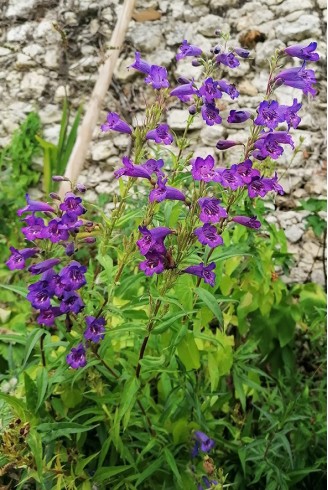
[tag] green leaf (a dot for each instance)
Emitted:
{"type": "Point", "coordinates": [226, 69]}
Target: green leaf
{"type": "Point", "coordinates": [150, 470]}
{"type": "Point", "coordinates": [211, 302]}
{"type": "Point", "coordinates": [22, 291]}
{"type": "Point", "coordinates": [107, 472]}
{"type": "Point", "coordinates": [35, 444]}
{"type": "Point", "coordinates": [42, 385]}
{"type": "Point", "coordinates": [188, 352]}
{"type": "Point", "coordinates": [31, 341]}
{"type": "Point", "coordinates": [162, 326]}
{"type": "Point", "coordinates": [172, 464]}
{"type": "Point", "coordinates": [128, 399]}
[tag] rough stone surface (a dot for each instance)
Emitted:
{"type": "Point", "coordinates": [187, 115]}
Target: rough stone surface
{"type": "Point", "coordinates": [40, 64]}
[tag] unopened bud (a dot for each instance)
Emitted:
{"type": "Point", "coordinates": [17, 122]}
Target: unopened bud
{"type": "Point", "coordinates": [195, 63]}
{"type": "Point", "coordinates": [89, 239]}
{"type": "Point", "coordinates": [183, 80]}
{"type": "Point", "coordinates": [53, 195]}
{"type": "Point", "coordinates": [69, 249]}
{"type": "Point", "coordinates": [80, 188]}
{"type": "Point", "coordinates": [192, 110]}
{"type": "Point", "coordinates": [59, 178]}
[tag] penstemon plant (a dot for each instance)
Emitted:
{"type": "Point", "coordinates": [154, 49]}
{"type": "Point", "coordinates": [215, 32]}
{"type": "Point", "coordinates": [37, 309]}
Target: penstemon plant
{"type": "Point", "coordinates": [129, 311]}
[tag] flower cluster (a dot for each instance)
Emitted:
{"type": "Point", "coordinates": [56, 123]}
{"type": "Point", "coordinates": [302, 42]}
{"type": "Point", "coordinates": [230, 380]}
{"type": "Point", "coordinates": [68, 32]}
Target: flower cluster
{"type": "Point", "coordinates": [267, 141]}
{"type": "Point", "coordinates": [203, 444]}
{"type": "Point", "coordinates": [55, 293]}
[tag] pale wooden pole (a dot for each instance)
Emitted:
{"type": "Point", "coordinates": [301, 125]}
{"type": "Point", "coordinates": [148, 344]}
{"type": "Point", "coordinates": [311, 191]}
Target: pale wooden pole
{"type": "Point", "coordinates": [91, 116]}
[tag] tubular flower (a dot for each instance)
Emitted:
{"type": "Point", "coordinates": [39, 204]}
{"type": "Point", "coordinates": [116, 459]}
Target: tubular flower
{"type": "Point", "coordinates": [250, 222]}
{"type": "Point", "coordinates": [270, 114]}
{"type": "Point", "coordinates": [228, 88]}
{"type": "Point", "coordinates": [305, 53]}
{"type": "Point", "coordinates": [187, 49]}
{"type": "Point", "coordinates": [210, 91]}
{"type": "Point", "coordinates": [115, 123]}
{"type": "Point", "coordinates": [139, 64]}
{"type": "Point", "coordinates": [163, 192]}
{"type": "Point", "coordinates": [211, 114]}
{"type": "Point", "coordinates": [152, 240]}
{"type": "Point", "coordinates": [34, 206]}
{"type": "Point", "coordinates": [77, 357]}
{"type": "Point", "coordinates": [207, 235]}
{"type": "Point", "coordinates": [211, 211]}
{"type": "Point", "coordinates": [203, 168]}
{"type": "Point", "coordinates": [203, 271]}
{"type": "Point", "coordinates": [95, 330]}
{"type": "Point", "coordinates": [17, 259]}
{"type": "Point", "coordinates": [268, 145]}
{"type": "Point", "coordinates": [238, 116]}
{"type": "Point", "coordinates": [131, 170]}
{"type": "Point", "coordinates": [297, 77]}
{"type": "Point", "coordinates": [154, 264]}
{"type": "Point", "coordinates": [157, 77]}
{"type": "Point", "coordinates": [228, 59]}
{"type": "Point", "coordinates": [160, 135]}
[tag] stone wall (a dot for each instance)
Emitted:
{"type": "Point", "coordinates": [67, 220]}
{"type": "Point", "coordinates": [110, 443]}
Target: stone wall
{"type": "Point", "coordinates": [49, 47]}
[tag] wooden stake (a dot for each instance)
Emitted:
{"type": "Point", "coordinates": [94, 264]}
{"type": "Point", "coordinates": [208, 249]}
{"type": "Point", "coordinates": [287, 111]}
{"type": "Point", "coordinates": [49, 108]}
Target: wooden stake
{"type": "Point", "coordinates": [78, 155]}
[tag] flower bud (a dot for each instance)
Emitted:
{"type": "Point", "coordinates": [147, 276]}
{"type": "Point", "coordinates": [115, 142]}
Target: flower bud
{"type": "Point", "coordinates": [183, 80]}
{"type": "Point", "coordinates": [54, 195]}
{"type": "Point", "coordinates": [192, 110]}
{"type": "Point", "coordinates": [89, 239]}
{"type": "Point", "coordinates": [59, 178]}
{"type": "Point", "coordinates": [80, 188]}
{"type": "Point", "coordinates": [195, 63]}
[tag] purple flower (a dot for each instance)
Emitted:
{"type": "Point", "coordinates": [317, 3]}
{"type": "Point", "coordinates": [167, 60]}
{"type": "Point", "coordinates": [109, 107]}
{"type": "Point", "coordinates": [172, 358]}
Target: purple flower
{"type": "Point", "coordinates": [228, 59]}
{"type": "Point", "coordinates": [183, 91]}
{"type": "Point", "coordinates": [115, 123]}
{"type": "Point", "coordinates": [43, 266]}
{"type": "Point", "coordinates": [250, 222]}
{"type": "Point", "coordinates": [34, 229]}
{"type": "Point", "coordinates": [270, 114]}
{"type": "Point", "coordinates": [131, 170]}
{"type": "Point", "coordinates": [187, 49]}
{"type": "Point", "coordinates": [290, 116]}
{"type": "Point", "coordinates": [152, 240]}
{"type": "Point", "coordinates": [228, 88]}
{"type": "Point", "coordinates": [72, 276]}
{"type": "Point", "coordinates": [297, 77]}
{"type": "Point", "coordinates": [245, 171]}
{"type": "Point", "coordinates": [47, 317]}
{"type": "Point", "coordinates": [257, 188]}
{"type": "Point", "coordinates": [72, 205]}
{"type": "Point", "coordinates": [165, 192]}
{"type": "Point", "coordinates": [303, 52]}
{"type": "Point", "coordinates": [203, 271]}
{"type": "Point", "coordinates": [209, 91]}
{"type": "Point", "coordinates": [17, 259]}
{"type": "Point", "coordinates": [34, 206]}
{"type": "Point", "coordinates": [160, 135]}
{"type": "Point", "coordinates": [80, 188]}
{"type": "Point", "coordinates": [39, 298]}
{"type": "Point", "coordinates": [229, 177]}
{"type": "Point", "coordinates": [211, 211]}
{"type": "Point", "coordinates": [243, 53]}
{"type": "Point", "coordinates": [153, 166]}
{"type": "Point", "coordinates": [238, 116]}
{"type": "Point", "coordinates": [69, 222]}
{"type": "Point", "coordinates": [211, 114]}
{"type": "Point", "coordinates": [225, 144]}
{"type": "Point", "coordinates": [55, 232]}
{"type": "Point", "coordinates": [95, 328]}
{"type": "Point", "coordinates": [154, 264]}
{"type": "Point", "coordinates": [206, 443]}
{"type": "Point", "coordinates": [157, 77]}
{"type": "Point", "coordinates": [77, 357]}
{"type": "Point", "coordinates": [273, 185]}
{"type": "Point", "coordinates": [268, 145]}
{"type": "Point", "coordinates": [140, 65]}
{"type": "Point", "coordinates": [71, 302]}
{"type": "Point", "coordinates": [203, 168]}
{"type": "Point", "coordinates": [207, 235]}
